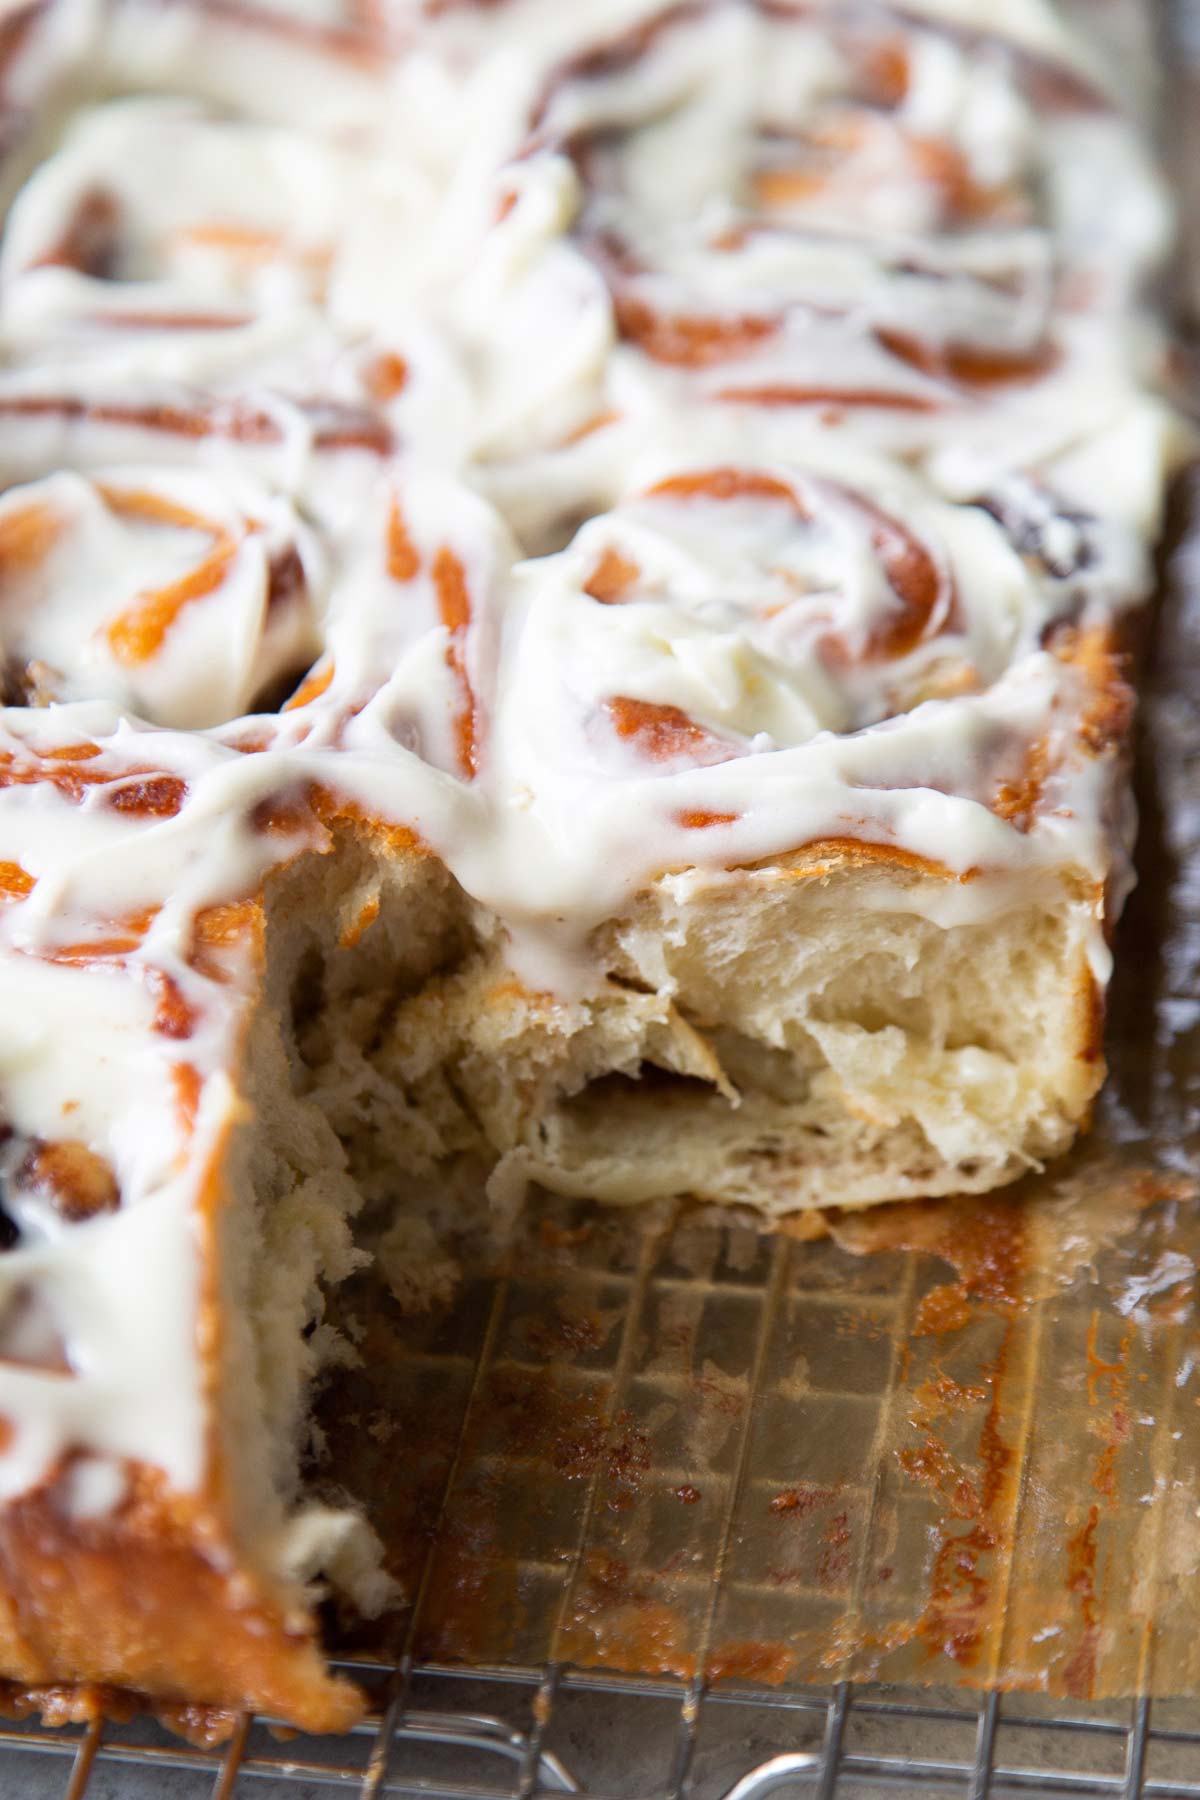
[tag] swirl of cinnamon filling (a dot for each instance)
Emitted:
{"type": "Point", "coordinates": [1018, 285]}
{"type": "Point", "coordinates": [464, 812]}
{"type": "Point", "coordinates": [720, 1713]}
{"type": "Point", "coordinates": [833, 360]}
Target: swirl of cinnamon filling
{"type": "Point", "coordinates": [742, 160]}
{"type": "Point", "coordinates": [735, 610]}
{"type": "Point", "coordinates": [849, 218]}
{"type": "Point", "coordinates": [171, 278]}
{"type": "Point", "coordinates": [165, 594]}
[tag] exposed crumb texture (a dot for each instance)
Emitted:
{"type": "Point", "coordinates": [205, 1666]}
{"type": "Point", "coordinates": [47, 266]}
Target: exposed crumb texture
{"type": "Point", "coordinates": [325, 1135]}
{"type": "Point", "coordinates": [775, 1037]}
{"type": "Point", "coordinates": [782, 1037]}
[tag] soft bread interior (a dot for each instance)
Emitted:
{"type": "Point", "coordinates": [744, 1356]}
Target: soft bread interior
{"type": "Point", "coordinates": [785, 1037]}
{"type": "Point", "coordinates": [348, 936]}
{"type": "Point", "coordinates": [798, 1035]}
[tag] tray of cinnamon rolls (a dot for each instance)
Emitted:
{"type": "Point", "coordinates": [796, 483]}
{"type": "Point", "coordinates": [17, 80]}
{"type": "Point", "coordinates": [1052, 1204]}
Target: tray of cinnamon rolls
{"type": "Point", "coordinates": [568, 581]}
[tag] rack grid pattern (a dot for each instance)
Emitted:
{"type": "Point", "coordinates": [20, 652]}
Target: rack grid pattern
{"type": "Point", "coordinates": [840, 1740]}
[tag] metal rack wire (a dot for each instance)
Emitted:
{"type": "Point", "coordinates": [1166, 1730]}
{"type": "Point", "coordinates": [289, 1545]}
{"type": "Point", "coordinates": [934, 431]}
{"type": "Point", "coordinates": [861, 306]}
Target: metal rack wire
{"type": "Point", "coordinates": [840, 1741]}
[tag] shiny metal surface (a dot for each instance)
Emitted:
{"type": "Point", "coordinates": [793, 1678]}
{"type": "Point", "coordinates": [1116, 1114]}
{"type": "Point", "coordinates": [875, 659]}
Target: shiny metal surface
{"type": "Point", "coordinates": [854, 1741]}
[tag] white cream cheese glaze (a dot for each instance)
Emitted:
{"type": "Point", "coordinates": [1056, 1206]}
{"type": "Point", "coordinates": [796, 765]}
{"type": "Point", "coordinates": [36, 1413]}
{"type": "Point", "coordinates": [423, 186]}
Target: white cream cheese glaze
{"type": "Point", "coordinates": [666, 440]}
{"type": "Point", "coordinates": [179, 598]}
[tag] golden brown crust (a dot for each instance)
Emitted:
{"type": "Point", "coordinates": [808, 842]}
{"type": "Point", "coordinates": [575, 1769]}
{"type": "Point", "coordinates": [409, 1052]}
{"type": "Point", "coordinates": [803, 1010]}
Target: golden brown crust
{"type": "Point", "coordinates": [829, 856]}
{"type": "Point", "coordinates": [156, 1597]}
{"type": "Point", "coordinates": [1090, 1023]}
{"type": "Point", "coordinates": [136, 1599]}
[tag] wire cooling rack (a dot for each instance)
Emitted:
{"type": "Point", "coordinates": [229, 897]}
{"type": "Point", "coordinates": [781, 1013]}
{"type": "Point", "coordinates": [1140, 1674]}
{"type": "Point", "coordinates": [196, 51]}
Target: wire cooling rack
{"type": "Point", "coordinates": [549, 1733]}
